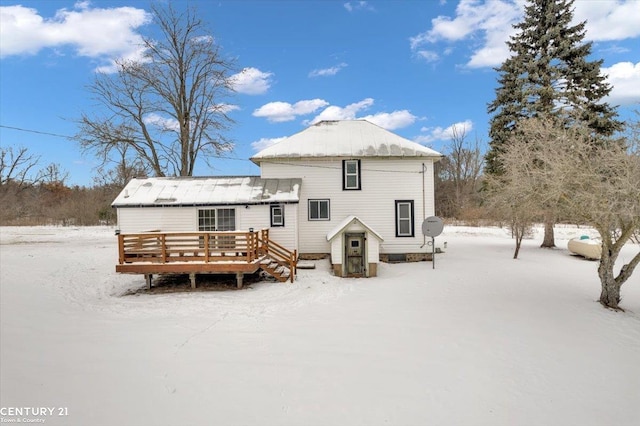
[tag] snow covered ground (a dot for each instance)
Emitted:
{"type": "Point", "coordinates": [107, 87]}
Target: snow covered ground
{"type": "Point", "coordinates": [481, 340]}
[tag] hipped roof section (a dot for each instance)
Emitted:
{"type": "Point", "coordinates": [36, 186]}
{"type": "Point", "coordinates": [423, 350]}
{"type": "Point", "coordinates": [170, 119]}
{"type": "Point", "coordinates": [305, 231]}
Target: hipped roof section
{"type": "Point", "coordinates": [344, 138]}
{"type": "Point", "coordinates": [204, 191]}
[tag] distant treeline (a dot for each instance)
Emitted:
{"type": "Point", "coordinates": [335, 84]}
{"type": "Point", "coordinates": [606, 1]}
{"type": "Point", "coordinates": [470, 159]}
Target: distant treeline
{"type": "Point", "coordinates": [54, 203]}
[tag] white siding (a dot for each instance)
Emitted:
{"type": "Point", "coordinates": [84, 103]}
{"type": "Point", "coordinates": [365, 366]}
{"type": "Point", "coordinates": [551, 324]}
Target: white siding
{"type": "Point", "coordinates": [373, 249]}
{"type": "Point", "coordinates": [166, 219]}
{"type": "Point", "coordinates": [337, 250]}
{"type": "Point", "coordinates": [185, 219]}
{"type": "Point", "coordinates": [384, 180]}
{"type": "Point", "coordinates": [259, 217]}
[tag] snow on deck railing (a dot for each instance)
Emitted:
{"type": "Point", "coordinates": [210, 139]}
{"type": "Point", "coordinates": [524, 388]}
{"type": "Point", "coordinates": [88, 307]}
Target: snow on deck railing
{"type": "Point", "coordinates": [168, 247]}
{"type": "Point", "coordinates": [203, 247]}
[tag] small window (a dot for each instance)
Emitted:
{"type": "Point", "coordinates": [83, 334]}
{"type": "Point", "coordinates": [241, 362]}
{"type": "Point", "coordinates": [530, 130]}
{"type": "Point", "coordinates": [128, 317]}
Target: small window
{"type": "Point", "coordinates": [318, 209]}
{"type": "Point", "coordinates": [277, 215]}
{"type": "Point", "coordinates": [351, 174]}
{"type": "Point", "coordinates": [404, 218]}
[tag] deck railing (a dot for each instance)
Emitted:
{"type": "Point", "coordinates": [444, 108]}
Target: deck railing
{"type": "Point", "coordinates": [166, 247]}
{"type": "Point", "coordinates": [203, 247]}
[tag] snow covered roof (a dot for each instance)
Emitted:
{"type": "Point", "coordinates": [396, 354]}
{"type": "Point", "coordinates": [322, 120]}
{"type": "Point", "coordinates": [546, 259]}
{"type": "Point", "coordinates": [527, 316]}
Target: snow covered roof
{"type": "Point", "coordinates": [195, 191]}
{"type": "Point", "coordinates": [348, 221]}
{"type": "Point", "coordinates": [344, 138]}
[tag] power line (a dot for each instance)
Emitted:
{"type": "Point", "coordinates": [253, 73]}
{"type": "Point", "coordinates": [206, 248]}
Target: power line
{"type": "Point", "coordinates": [36, 131]}
{"type": "Point", "coordinates": [226, 158]}
{"type": "Point", "coordinates": [71, 138]}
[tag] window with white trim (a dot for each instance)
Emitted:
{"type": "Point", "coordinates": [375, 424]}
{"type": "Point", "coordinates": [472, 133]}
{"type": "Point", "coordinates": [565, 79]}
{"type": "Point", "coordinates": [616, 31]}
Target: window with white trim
{"type": "Point", "coordinates": [351, 174]}
{"type": "Point", "coordinates": [319, 210]}
{"type": "Point", "coordinates": [404, 218]}
{"type": "Point", "coordinates": [210, 220]}
{"type": "Point", "coordinates": [277, 215]}
{"type": "Point", "coordinates": [207, 220]}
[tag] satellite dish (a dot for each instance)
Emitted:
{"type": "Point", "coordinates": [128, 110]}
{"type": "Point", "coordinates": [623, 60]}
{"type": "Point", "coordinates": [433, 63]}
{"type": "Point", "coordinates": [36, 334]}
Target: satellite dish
{"type": "Point", "coordinates": [432, 226]}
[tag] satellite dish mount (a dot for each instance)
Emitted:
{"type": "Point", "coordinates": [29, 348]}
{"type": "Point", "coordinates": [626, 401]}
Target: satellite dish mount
{"type": "Point", "coordinates": [432, 227]}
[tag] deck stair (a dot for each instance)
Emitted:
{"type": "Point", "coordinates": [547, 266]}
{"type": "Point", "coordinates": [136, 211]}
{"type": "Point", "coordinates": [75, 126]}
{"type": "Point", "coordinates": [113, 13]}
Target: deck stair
{"type": "Point", "coordinates": [275, 268]}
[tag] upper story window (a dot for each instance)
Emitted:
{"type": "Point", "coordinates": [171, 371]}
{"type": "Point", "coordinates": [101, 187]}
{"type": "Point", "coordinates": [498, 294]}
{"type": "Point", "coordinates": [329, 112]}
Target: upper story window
{"type": "Point", "coordinates": [277, 215]}
{"type": "Point", "coordinates": [351, 174]}
{"type": "Point", "coordinates": [319, 210]}
{"type": "Point", "coordinates": [404, 218]}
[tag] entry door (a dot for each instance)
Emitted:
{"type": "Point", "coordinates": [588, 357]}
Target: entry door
{"type": "Point", "coordinates": [355, 255]}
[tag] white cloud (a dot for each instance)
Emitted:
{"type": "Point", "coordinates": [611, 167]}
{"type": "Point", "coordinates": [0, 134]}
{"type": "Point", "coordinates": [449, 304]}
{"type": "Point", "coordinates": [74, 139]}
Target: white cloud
{"type": "Point", "coordinates": [277, 112]}
{"type": "Point", "coordinates": [263, 143]}
{"type": "Point", "coordinates": [225, 108]}
{"type": "Point", "coordinates": [387, 120]}
{"type": "Point", "coordinates": [428, 55]}
{"type": "Point", "coordinates": [358, 5]}
{"type": "Point", "coordinates": [471, 16]}
{"type": "Point", "coordinates": [252, 81]}
{"type": "Point", "coordinates": [327, 71]}
{"type": "Point", "coordinates": [392, 120]}
{"type": "Point", "coordinates": [609, 20]}
{"type": "Point", "coordinates": [284, 111]}
{"type": "Point", "coordinates": [99, 33]}
{"type": "Point", "coordinates": [338, 113]}
{"type": "Point", "coordinates": [491, 22]}
{"type": "Point", "coordinates": [204, 39]}
{"type": "Point", "coordinates": [111, 65]}
{"type": "Point", "coordinates": [165, 124]}
{"type": "Point", "coordinates": [625, 79]}
{"type": "Point", "coordinates": [444, 134]}
{"type": "Point", "coordinates": [493, 19]}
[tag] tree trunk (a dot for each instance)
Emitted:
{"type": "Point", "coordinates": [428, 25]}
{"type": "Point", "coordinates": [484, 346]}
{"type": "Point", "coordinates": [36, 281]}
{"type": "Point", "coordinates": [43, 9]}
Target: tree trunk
{"type": "Point", "coordinates": [610, 295]}
{"type": "Point", "coordinates": [549, 240]}
{"type": "Point", "coordinates": [518, 230]}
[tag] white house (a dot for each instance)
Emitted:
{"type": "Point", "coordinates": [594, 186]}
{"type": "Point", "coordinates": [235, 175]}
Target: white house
{"type": "Point", "coordinates": [355, 169]}
{"type": "Point", "coordinates": [349, 189]}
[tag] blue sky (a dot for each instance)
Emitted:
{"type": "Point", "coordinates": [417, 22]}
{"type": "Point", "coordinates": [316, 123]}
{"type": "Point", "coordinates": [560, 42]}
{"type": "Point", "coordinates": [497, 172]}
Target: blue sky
{"type": "Point", "coordinates": [417, 68]}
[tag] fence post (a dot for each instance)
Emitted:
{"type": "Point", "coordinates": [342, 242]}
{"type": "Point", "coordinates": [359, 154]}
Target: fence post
{"type": "Point", "coordinates": [292, 265]}
{"type": "Point", "coordinates": [163, 241]}
{"type": "Point", "coordinates": [206, 247]}
{"type": "Point", "coordinates": [254, 246]}
{"type": "Point", "coordinates": [121, 248]}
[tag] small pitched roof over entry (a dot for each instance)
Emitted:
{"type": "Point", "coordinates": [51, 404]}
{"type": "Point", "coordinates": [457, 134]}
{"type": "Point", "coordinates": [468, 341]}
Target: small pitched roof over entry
{"type": "Point", "coordinates": [345, 138]}
{"type": "Point", "coordinates": [351, 220]}
{"type": "Point", "coordinates": [207, 191]}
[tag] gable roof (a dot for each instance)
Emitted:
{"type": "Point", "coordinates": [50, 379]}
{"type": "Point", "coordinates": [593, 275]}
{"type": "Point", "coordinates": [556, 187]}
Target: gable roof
{"type": "Point", "coordinates": [207, 191]}
{"type": "Point", "coordinates": [344, 138]}
{"type": "Point", "coordinates": [349, 220]}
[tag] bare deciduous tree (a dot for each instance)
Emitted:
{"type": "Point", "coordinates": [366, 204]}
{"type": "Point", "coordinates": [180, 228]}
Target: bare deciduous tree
{"type": "Point", "coordinates": [594, 184]}
{"type": "Point", "coordinates": [458, 174]}
{"type": "Point", "coordinates": [53, 174]}
{"type": "Point", "coordinates": [17, 167]}
{"type": "Point", "coordinates": [124, 169]}
{"type": "Point", "coordinates": [167, 107]}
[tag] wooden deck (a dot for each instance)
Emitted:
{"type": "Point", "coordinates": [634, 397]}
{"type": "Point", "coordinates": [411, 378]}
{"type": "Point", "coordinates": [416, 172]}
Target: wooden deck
{"type": "Point", "coordinates": [204, 252]}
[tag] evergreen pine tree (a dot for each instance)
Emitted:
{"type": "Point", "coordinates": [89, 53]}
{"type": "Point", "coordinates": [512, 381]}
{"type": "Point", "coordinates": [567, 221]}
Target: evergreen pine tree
{"type": "Point", "coordinates": [548, 74]}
